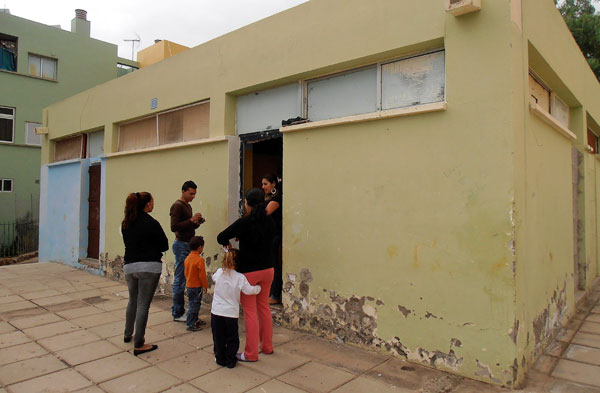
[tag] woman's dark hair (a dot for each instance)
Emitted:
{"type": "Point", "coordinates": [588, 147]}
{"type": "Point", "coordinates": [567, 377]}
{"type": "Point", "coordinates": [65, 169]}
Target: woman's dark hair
{"type": "Point", "coordinates": [271, 178]}
{"type": "Point", "coordinates": [256, 199]}
{"type": "Point", "coordinates": [134, 204]}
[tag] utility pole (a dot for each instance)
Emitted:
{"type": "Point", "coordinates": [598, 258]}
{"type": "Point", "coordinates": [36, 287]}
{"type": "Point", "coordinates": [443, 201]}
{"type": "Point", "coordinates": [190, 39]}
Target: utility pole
{"type": "Point", "coordinates": [133, 41]}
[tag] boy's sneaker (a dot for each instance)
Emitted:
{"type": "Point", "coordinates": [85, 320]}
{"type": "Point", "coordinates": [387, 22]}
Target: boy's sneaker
{"type": "Point", "coordinates": [182, 318]}
{"type": "Point", "coordinates": [195, 327]}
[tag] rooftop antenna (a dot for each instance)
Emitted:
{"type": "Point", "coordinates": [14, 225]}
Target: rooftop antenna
{"type": "Point", "coordinates": [133, 41]}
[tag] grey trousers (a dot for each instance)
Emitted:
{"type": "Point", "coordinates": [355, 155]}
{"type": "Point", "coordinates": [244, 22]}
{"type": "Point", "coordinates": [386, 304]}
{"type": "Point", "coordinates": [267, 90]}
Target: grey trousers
{"type": "Point", "coordinates": [141, 286]}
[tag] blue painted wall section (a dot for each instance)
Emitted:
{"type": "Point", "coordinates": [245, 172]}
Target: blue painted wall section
{"type": "Point", "coordinates": [64, 213]}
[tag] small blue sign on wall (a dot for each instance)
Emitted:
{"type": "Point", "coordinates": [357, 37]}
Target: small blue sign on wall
{"type": "Point", "coordinates": [154, 103]}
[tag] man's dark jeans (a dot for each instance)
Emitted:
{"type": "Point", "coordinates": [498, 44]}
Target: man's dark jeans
{"type": "Point", "coordinates": [141, 286]}
{"type": "Point", "coordinates": [181, 251]}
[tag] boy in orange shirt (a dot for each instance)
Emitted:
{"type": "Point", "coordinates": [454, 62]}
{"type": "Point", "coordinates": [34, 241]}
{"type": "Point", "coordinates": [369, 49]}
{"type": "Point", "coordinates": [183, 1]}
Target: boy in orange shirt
{"type": "Point", "coordinates": [195, 282]}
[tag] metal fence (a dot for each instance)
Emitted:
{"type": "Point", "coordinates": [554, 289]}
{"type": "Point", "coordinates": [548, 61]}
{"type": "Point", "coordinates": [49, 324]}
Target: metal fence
{"type": "Point", "coordinates": [20, 237]}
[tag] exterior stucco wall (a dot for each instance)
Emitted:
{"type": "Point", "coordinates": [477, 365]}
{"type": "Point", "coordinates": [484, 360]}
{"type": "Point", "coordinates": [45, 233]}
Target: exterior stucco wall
{"type": "Point", "coordinates": [162, 174]}
{"type": "Point", "coordinates": [544, 197]}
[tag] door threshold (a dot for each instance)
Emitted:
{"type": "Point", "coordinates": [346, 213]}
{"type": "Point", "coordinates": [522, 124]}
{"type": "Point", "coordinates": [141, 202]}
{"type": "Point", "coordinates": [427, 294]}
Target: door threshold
{"type": "Point", "coordinates": [90, 262]}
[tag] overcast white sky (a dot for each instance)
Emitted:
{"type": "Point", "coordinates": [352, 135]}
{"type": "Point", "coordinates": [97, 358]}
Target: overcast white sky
{"type": "Point", "coordinates": [186, 22]}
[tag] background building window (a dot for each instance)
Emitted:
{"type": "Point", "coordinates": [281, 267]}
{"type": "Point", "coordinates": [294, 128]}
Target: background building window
{"type": "Point", "coordinates": [6, 185]}
{"type": "Point", "coordinates": [7, 122]}
{"type": "Point", "coordinates": [43, 67]}
{"type": "Point", "coordinates": [31, 138]}
{"type": "Point", "coordinates": [8, 52]}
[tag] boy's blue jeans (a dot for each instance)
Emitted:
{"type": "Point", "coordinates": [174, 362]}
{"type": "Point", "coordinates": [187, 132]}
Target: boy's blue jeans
{"type": "Point", "coordinates": [181, 251]}
{"type": "Point", "coordinates": [194, 297]}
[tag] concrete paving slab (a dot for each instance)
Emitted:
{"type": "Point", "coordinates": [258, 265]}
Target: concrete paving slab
{"type": "Point", "coordinates": [91, 389]}
{"type": "Point", "coordinates": [559, 386]}
{"type": "Point", "coordinates": [50, 330]}
{"type": "Point", "coordinates": [88, 352]}
{"type": "Point", "coordinates": [590, 327]}
{"type": "Point", "coordinates": [20, 305]}
{"type": "Point", "coordinates": [593, 318]}
{"type": "Point", "coordinates": [105, 283]}
{"type": "Point", "coordinates": [167, 349]}
{"type": "Point", "coordinates": [30, 368]}
{"type": "Point", "coordinates": [183, 388]}
{"type": "Point", "coordinates": [190, 366]}
{"type": "Point", "coordinates": [111, 367]}
{"type": "Point", "coordinates": [588, 339]}
{"type": "Point", "coordinates": [21, 352]}
{"type": "Point", "coordinates": [95, 320]}
{"type": "Point", "coordinates": [109, 330]}
{"type": "Point", "coordinates": [171, 329]}
{"type": "Point", "coordinates": [348, 358]}
{"type": "Point", "coordinates": [79, 312]}
{"type": "Point", "coordinates": [275, 386]}
{"type": "Point", "coordinates": [316, 377]}
{"type": "Point", "coordinates": [114, 305]}
{"type": "Point", "coordinates": [22, 313]}
{"type": "Point", "coordinates": [149, 380]}
{"type": "Point", "coordinates": [63, 381]}
{"type": "Point", "coordinates": [399, 372]}
{"type": "Point", "coordinates": [65, 306]}
{"type": "Point", "coordinates": [545, 364]}
{"type": "Point", "coordinates": [41, 294]}
{"type": "Point", "coordinates": [577, 372]}
{"type": "Point", "coordinates": [37, 320]}
{"type": "Point", "coordinates": [565, 335]}
{"type": "Point", "coordinates": [81, 294]}
{"type": "Point", "coordinates": [583, 354]}
{"type": "Point", "coordinates": [369, 384]}
{"type": "Point", "coordinates": [53, 300]}
{"type": "Point", "coordinates": [68, 340]}
{"type": "Point", "coordinates": [10, 299]}
{"type": "Point", "coordinates": [282, 336]}
{"type": "Point", "coordinates": [13, 338]}
{"type": "Point", "coordinates": [6, 327]}
{"type": "Point", "coordinates": [277, 363]}
{"type": "Point", "coordinates": [200, 339]}
{"type": "Point", "coordinates": [234, 380]}
{"type": "Point", "coordinates": [160, 317]}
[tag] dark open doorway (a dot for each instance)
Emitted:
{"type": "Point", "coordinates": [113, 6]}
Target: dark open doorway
{"type": "Point", "coordinates": [93, 250]}
{"type": "Point", "coordinates": [261, 153]}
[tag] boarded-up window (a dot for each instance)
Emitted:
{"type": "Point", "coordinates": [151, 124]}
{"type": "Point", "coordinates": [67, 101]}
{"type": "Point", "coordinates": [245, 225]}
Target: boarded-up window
{"type": "Point", "coordinates": [342, 95]}
{"type": "Point", "coordinates": [95, 142]}
{"type": "Point", "coordinates": [592, 141]}
{"type": "Point", "coordinates": [138, 134]}
{"type": "Point", "coordinates": [31, 138]}
{"type": "Point", "coordinates": [414, 81]}
{"type": "Point", "coordinates": [560, 110]}
{"type": "Point", "coordinates": [539, 93]}
{"type": "Point", "coordinates": [264, 110]}
{"type": "Point", "coordinates": [182, 125]}
{"type": "Point", "coordinates": [68, 148]}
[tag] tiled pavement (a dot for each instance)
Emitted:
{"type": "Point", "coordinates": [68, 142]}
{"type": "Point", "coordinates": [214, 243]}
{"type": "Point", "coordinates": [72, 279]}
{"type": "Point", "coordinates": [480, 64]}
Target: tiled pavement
{"type": "Point", "coordinates": [61, 331]}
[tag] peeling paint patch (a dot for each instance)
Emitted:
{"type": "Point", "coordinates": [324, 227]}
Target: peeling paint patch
{"type": "Point", "coordinates": [514, 331]}
{"type": "Point", "coordinates": [484, 371]}
{"type": "Point", "coordinates": [405, 311]}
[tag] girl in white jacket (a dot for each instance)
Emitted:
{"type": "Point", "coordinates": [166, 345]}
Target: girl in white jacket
{"type": "Point", "coordinates": [225, 309]}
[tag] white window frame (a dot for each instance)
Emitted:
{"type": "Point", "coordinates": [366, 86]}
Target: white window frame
{"type": "Point", "coordinates": [9, 117]}
{"type": "Point", "coordinates": [12, 185]}
{"type": "Point", "coordinates": [379, 66]}
{"type": "Point", "coordinates": [36, 125]}
{"type": "Point", "coordinates": [41, 71]}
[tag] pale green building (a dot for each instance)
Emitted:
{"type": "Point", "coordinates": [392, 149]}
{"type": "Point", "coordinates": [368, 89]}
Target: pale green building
{"type": "Point", "coordinates": [40, 65]}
